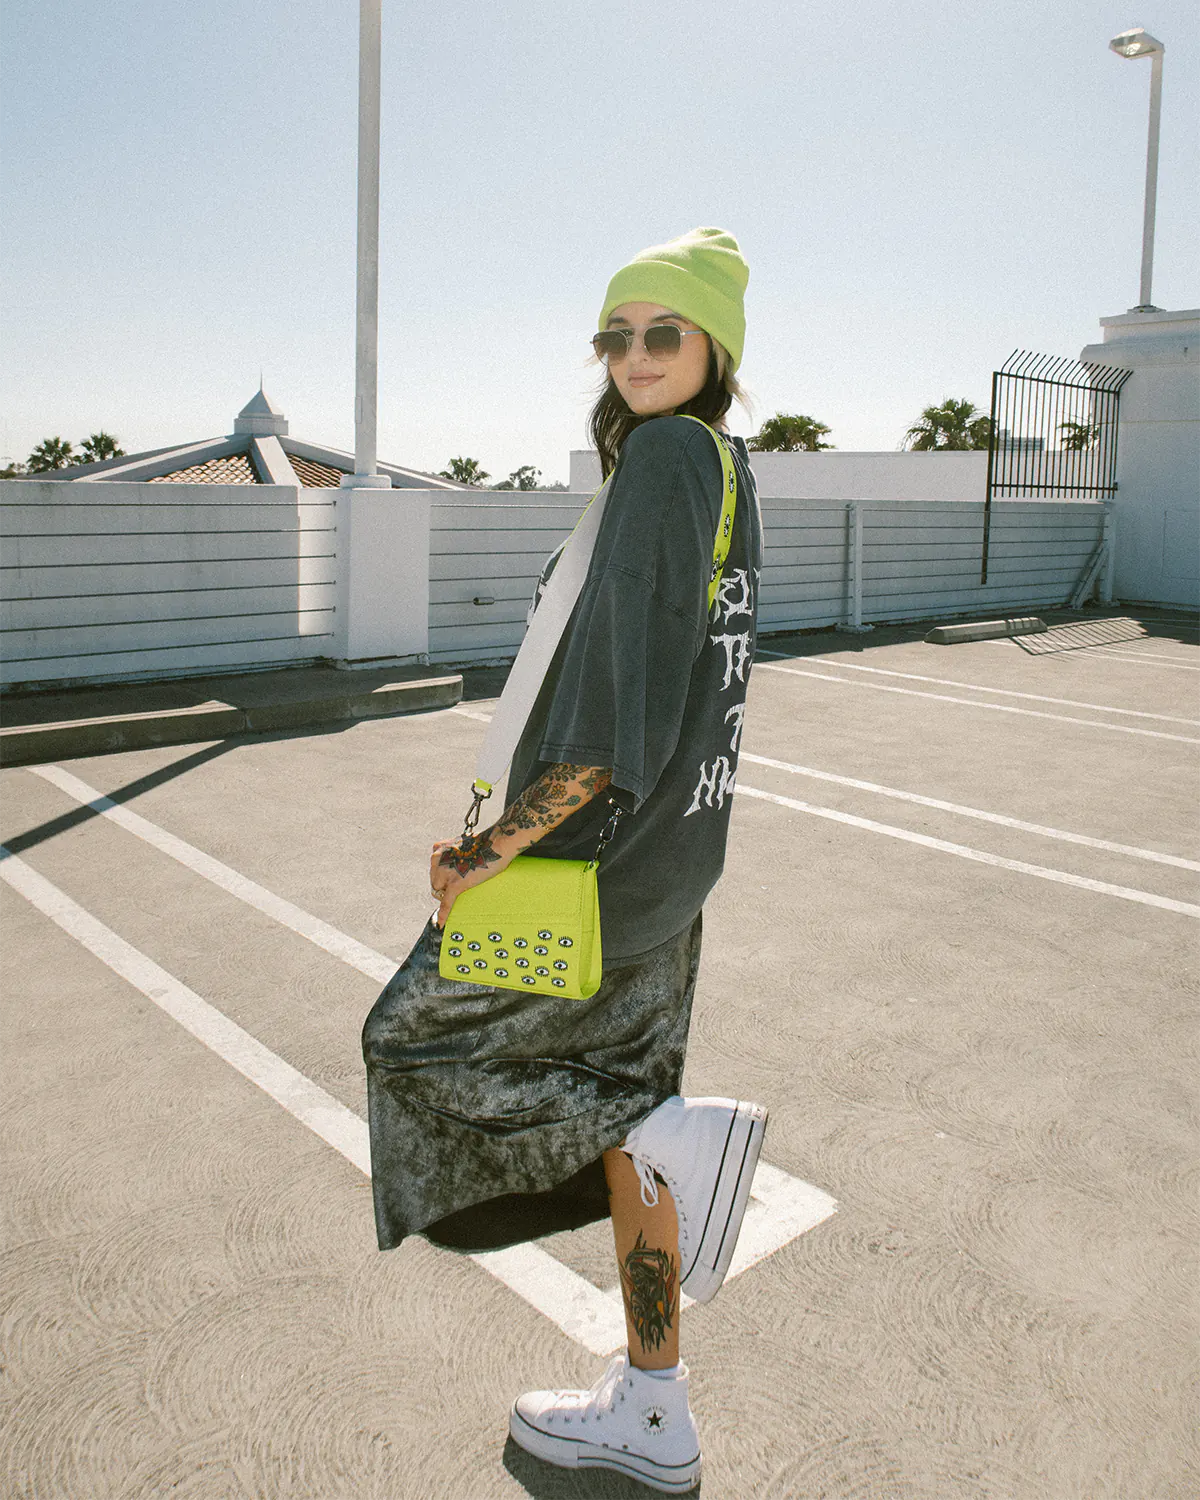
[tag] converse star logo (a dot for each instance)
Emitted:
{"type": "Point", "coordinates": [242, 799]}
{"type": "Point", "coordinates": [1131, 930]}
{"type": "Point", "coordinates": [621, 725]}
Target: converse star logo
{"type": "Point", "coordinates": [654, 1419]}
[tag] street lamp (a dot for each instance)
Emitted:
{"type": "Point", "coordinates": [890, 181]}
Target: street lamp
{"type": "Point", "coordinates": [366, 345]}
{"type": "Point", "coordinates": [1139, 43]}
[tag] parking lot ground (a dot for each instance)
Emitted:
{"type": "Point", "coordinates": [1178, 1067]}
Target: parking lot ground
{"type": "Point", "coordinates": [954, 950]}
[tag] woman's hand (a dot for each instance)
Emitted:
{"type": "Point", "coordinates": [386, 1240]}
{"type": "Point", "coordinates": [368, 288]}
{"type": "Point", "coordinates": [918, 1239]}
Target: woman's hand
{"type": "Point", "coordinates": [456, 865]}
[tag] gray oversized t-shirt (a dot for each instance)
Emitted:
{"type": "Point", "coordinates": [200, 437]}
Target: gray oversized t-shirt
{"type": "Point", "coordinates": [648, 682]}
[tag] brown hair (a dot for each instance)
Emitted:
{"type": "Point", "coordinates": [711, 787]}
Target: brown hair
{"type": "Point", "coordinates": [611, 421]}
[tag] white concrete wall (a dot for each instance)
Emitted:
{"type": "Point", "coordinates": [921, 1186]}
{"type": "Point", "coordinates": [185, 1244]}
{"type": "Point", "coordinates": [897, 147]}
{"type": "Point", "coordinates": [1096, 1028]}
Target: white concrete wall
{"type": "Point", "coordinates": [489, 546]}
{"type": "Point", "coordinates": [116, 580]}
{"type": "Point", "coordinates": [840, 476]}
{"type": "Point", "coordinates": [1158, 454]}
{"type": "Point", "coordinates": [383, 590]}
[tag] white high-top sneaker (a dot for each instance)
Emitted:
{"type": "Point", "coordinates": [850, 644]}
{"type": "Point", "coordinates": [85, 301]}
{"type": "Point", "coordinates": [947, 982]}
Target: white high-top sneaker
{"type": "Point", "coordinates": [628, 1421]}
{"type": "Point", "coordinates": [706, 1151]}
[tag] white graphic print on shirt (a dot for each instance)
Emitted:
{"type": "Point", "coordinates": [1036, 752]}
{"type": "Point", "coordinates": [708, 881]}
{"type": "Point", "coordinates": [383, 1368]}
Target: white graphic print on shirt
{"type": "Point", "coordinates": [716, 781]}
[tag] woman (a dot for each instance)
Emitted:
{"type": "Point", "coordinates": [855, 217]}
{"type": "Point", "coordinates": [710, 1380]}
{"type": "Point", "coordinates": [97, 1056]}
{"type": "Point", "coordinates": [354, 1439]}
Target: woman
{"type": "Point", "coordinates": [497, 1116]}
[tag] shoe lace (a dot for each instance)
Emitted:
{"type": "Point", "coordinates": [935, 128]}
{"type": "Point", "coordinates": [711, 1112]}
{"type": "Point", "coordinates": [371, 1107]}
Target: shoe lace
{"type": "Point", "coordinates": [605, 1388]}
{"type": "Point", "coordinates": [645, 1172]}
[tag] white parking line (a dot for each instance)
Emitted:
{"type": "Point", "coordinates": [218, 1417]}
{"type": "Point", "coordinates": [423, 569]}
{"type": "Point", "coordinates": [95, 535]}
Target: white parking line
{"type": "Point", "coordinates": [366, 960]}
{"type": "Point", "coordinates": [1153, 657]}
{"type": "Point", "coordinates": [996, 708]}
{"type": "Point", "coordinates": [1063, 877]}
{"type": "Point", "coordinates": [1103, 708]}
{"type": "Point", "coordinates": [1154, 855]}
{"type": "Point", "coordinates": [594, 1318]}
{"type": "Point", "coordinates": [340, 1127]}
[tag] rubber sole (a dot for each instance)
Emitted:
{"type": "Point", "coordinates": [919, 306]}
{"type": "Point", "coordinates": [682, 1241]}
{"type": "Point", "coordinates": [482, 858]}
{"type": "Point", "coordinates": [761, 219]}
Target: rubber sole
{"type": "Point", "coordinates": [572, 1453]}
{"type": "Point", "coordinates": [723, 1223]}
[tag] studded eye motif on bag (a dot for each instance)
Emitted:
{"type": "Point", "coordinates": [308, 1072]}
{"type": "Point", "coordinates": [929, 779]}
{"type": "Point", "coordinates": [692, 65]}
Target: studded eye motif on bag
{"type": "Point", "coordinates": [493, 965]}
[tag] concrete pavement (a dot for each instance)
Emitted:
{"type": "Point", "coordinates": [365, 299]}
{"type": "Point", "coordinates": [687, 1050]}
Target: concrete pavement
{"type": "Point", "coordinates": [954, 950]}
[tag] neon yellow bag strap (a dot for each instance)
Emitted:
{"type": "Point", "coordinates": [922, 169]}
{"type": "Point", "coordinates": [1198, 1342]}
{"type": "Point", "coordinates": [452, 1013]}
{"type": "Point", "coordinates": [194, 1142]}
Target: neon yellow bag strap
{"type": "Point", "coordinates": [728, 506]}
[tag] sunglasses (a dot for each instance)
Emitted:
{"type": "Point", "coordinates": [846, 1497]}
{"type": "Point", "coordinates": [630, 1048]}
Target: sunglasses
{"type": "Point", "coordinates": [661, 340]}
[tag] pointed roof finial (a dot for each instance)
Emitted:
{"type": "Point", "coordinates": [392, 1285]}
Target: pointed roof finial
{"type": "Point", "coordinates": [260, 417]}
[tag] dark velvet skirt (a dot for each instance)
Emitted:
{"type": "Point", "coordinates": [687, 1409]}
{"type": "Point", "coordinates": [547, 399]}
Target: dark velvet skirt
{"type": "Point", "coordinates": [489, 1109]}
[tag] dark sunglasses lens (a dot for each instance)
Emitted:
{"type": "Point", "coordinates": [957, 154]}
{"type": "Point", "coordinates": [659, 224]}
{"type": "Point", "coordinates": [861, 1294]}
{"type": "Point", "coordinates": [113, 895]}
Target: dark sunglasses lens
{"type": "Point", "coordinates": [611, 346]}
{"type": "Point", "coordinates": [662, 341]}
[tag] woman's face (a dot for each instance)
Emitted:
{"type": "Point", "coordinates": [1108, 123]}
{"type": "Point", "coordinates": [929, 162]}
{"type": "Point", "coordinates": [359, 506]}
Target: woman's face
{"type": "Point", "coordinates": [653, 387]}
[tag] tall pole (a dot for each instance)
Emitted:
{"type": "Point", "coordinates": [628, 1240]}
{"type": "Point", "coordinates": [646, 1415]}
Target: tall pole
{"type": "Point", "coordinates": [366, 373]}
{"type": "Point", "coordinates": [1156, 63]}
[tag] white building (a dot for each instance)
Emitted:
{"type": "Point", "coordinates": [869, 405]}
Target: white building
{"type": "Point", "coordinates": [257, 451]}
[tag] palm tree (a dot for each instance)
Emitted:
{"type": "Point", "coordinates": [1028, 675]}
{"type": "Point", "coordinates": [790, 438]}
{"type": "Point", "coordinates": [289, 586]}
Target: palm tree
{"type": "Point", "coordinates": [786, 434]}
{"type": "Point", "coordinates": [524, 478]}
{"type": "Point", "coordinates": [51, 453]}
{"type": "Point", "coordinates": [955, 425]}
{"type": "Point", "coordinates": [1078, 435]}
{"type": "Point", "coordinates": [464, 471]}
{"type": "Point", "coordinates": [101, 445]}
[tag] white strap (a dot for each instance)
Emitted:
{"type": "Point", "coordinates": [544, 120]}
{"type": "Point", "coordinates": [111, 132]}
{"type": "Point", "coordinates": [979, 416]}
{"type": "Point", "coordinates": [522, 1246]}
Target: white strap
{"type": "Point", "coordinates": [529, 670]}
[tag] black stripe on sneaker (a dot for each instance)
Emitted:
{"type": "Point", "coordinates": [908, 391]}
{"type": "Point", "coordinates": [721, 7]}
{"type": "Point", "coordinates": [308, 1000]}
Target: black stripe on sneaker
{"type": "Point", "coordinates": [716, 1186]}
{"type": "Point", "coordinates": [733, 1200]}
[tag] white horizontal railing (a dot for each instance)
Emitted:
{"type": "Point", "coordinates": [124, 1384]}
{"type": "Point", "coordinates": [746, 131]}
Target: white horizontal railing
{"type": "Point", "coordinates": [919, 559]}
{"type": "Point", "coordinates": [123, 580]}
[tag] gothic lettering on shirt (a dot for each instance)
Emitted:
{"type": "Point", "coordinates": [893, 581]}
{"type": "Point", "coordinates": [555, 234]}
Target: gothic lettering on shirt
{"type": "Point", "coordinates": [715, 784]}
{"type": "Point", "coordinates": [733, 596]}
{"type": "Point", "coordinates": [737, 655]}
{"type": "Point", "coordinates": [737, 713]}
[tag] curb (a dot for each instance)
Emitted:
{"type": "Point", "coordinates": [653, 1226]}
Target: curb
{"type": "Point", "coordinates": [984, 630]}
{"type": "Point", "coordinates": [71, 739]}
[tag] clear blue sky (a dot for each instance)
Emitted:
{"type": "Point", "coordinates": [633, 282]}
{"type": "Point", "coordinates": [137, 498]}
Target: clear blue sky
{"type": "Point", "coordinates": [918, 190]}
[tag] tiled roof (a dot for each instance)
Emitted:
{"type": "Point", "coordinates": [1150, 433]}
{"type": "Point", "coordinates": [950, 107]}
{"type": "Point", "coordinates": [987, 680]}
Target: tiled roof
{"type": "Point", "coordinates": [235, 469]}
{"type": "Point", "coordinates": [313, 475]}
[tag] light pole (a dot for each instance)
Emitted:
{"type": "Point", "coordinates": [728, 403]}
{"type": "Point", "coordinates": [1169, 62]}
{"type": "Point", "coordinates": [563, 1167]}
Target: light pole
{"type": "Point", "coordinates": [1139, 43]}
{"type": "Point", "coordinates": [366, 349]}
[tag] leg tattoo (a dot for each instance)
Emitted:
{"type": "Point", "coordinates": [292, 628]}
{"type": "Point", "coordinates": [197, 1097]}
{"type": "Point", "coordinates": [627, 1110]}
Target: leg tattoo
{"type": "Point", "coordinates": [650, 1281]}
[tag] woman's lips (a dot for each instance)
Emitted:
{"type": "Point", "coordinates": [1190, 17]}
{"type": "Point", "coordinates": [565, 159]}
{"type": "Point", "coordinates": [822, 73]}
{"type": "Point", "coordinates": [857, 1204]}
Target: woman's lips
{"type": "Point", "coordinates": [643, 379]}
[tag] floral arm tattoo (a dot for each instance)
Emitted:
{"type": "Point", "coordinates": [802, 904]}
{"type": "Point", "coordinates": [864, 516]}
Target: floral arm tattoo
{"type": "Point", "coordinates": [543, 805]}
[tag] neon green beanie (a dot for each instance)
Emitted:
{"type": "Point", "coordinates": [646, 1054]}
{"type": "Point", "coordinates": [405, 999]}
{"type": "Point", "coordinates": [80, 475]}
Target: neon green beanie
{"type": "Point", "coordinates": [701, 275]}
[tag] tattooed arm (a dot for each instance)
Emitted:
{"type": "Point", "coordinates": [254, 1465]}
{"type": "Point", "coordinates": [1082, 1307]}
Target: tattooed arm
{"type": "Point", "coordinates": [458, 864]}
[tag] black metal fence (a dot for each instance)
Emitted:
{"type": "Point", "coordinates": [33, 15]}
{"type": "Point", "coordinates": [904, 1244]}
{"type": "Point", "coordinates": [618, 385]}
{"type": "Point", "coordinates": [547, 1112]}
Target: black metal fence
{"type": "Point", "coordinates": [1053, 432]}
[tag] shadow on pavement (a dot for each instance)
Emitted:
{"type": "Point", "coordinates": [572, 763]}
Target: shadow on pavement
{"type": "Point", "coordinates": [545, 1482]}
